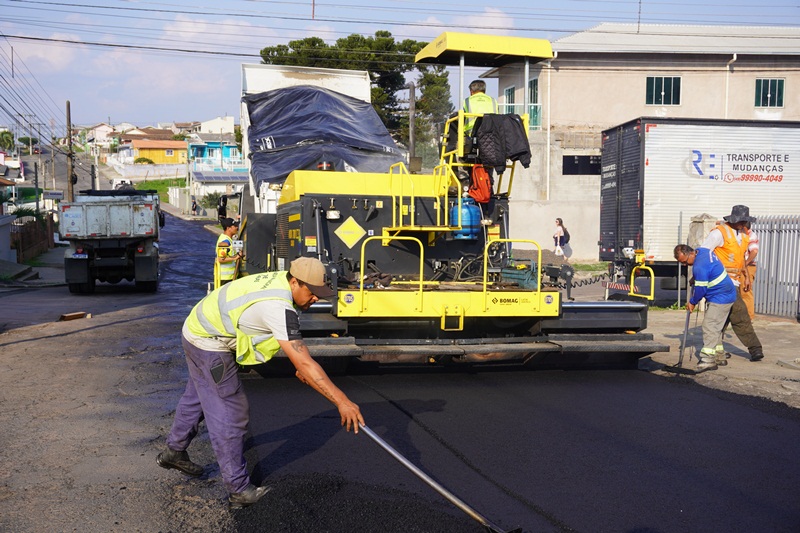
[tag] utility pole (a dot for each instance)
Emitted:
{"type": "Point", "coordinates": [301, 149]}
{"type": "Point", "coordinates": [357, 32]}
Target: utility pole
{"type": "Point", "coordinates": [30, 133]}
{"type": "Point", "coordinates": [412, 101]}
{"type": "Point", "coordinates": [39, 142]}
{"type": "Point", "coordinates": [36, 183]}
{"type": "Point", "coordinates": [70, 188]}
{"type": "Point", "coordinates": [52, 150]}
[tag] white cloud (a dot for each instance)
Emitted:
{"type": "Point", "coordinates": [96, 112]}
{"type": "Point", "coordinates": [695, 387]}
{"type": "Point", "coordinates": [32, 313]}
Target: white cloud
{"type": "Point", "coordinates": [493, 21]}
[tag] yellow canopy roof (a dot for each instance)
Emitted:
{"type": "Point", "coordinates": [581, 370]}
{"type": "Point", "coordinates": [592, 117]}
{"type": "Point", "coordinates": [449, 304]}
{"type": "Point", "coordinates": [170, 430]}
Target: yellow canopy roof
{"type": "Point", "coordinates": [482, 50]}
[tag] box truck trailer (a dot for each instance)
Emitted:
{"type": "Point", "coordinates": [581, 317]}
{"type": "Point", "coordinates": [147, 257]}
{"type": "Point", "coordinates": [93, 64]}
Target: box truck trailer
{"type": "Point", "coordinates": [660, 173]}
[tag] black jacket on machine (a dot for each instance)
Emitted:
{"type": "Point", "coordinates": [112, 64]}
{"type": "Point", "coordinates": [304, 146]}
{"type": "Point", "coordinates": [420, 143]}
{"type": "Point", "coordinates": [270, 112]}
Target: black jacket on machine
{"type": "Point", "coordinates": [502, 137]}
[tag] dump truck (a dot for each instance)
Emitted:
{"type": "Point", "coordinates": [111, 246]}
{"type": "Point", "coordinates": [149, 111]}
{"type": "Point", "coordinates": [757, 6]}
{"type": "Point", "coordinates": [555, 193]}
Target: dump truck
{"type": "Point", "coordinates": [658, 174]}
{"type": "Point", "coordinates": [112, 236]}
{"type": "Point", "coordinates": [423, 272]}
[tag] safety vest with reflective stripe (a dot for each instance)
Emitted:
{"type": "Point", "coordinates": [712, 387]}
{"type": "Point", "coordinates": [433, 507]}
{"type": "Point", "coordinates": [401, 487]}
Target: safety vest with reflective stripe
{"type": "Point", "coordinates": [218, 314]}
{"type": "Point", "coordinates": [478, 103]}
{"type": "Point", "coordinates": [225, 249]}
{"type": "Point", "coordinates": [731, 253]}
{"type": "Point", "coordinates": [710, 279]}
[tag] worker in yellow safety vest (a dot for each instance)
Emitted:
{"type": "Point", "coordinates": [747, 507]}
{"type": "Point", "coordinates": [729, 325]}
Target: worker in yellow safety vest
{"type": "Point", "coordinates": [226, 266]}
{"type": "Point", "coordinates": [478, 103]}
{"type": "Point", "coordinates": [246, 322]}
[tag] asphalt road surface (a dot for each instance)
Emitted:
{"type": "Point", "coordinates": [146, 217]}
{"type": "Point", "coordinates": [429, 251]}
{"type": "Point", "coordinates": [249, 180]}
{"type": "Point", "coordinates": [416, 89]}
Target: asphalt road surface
{"type": "Point", "coordinates": [541, 450]}
{"type": "Point", "coordinates": [547, 451]}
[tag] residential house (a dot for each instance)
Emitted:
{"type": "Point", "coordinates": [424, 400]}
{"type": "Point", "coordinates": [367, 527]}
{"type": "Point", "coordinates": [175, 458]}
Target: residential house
{"type": "Point", "coordinates": [218, 125]}
{"type": "Point", "coordinates": [138, 134]}
{"type": "Point", "coordinates": [100, 134]}
{"type": "Point", "coordinates": [613, 73]}
{"type": "Point", "coordinates": [178, 128]}
{"type": "Point", "coordinates": [215, 152]}
{"type": "Point", "coordinates": [124, 126]}
{"type": "Point", "coordinates": [159, 152]}
{"type": "Point", "coordinates": [204, 183]}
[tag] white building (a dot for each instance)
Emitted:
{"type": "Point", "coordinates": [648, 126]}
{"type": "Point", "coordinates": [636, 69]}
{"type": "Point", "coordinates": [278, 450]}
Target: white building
{"type": "Point", "coordinates": [217, 125]}
{"type": "Point", "coordinates": [614, 73]}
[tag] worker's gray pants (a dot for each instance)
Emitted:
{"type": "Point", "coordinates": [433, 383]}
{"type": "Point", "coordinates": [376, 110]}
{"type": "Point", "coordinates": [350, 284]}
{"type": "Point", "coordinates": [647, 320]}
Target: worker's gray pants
{"type": "Point", "coordinates": [713, 322]}
{"type": "Point", "coordinates": [224, 406]}
{"type": "Point", "coordinates": [742, 325]}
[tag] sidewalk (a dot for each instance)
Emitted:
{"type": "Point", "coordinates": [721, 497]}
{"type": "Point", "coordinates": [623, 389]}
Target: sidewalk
{"type": "Point", "coordinates": [47, 272]}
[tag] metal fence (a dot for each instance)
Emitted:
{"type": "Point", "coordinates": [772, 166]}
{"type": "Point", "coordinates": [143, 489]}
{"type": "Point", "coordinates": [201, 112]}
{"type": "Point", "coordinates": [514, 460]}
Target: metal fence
{"type": "Point", "coordinates": [777, 282]}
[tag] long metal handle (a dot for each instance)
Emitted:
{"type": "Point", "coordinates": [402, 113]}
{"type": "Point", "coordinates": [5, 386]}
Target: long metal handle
{"type": "Point", "coordinates": [433, 484]}
{"type": "Point", "coordinates": [685, 336]}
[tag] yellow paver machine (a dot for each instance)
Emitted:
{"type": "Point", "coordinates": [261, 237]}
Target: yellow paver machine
{"type": "Point", "coordinates": [424, 273]}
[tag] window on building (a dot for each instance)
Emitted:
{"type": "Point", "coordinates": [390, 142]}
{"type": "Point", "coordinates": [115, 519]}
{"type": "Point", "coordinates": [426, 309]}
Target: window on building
{"type": "Point", "coordinates": [508, 95]}
{"type": "Point", "coordinates": [769, 92]}
{"type": "Point", "coordinates": [170, 153]}
{"type": "Point", "coordinates": [534, 107]}
{"type": "Point", "coordinates": [663, 90]}
{"type": "Point", "coordinates": [579, 165]}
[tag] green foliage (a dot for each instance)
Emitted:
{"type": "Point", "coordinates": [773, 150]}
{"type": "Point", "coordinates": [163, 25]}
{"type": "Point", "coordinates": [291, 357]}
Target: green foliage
{"type": "Point", "coordinates": [179, 137]}
{"type": "Point", "coordinates": [6, 141]}
{"type": "Point", "coordinates": [143, 161]}
{"type": "Point", "coordinates": [237, 135]}
{"type": "Point", "coordinates": [384, 58]}
{"type": "Point", "coordinates": [27, 194]}
{"type": "Point", "coordinates": [590, 267]}
{"type": "Point", "coordinates": [210, 200]}
{"type": "Point", "coordinates": [161, 186]}
{"type": "Point", "coordinates": [28, 141]}
{"type": "Point", "coordinates": [673, 307]}
{"type": "Point", "coordinates": [27, 212]}
{"type": "Point", "coordinates": [432, 108]}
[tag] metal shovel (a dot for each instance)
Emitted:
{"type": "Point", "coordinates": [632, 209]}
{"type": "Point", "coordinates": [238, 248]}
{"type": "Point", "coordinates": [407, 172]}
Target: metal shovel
{"type": "Point", "coordinates": [436, 486]}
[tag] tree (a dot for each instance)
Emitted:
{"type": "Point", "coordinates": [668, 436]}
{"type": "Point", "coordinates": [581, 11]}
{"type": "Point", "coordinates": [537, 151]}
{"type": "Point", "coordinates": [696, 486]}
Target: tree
{"type": "Point", "coordinates": [6, 140]}
{"type": "Point", "coordinates": [237, 136]}
{"type": "Point", "coordinates": [432, 108]}
{"type": "Point", "coordinates": [385, 59]}
{"type": "Point", "coordinates": [28, 141]}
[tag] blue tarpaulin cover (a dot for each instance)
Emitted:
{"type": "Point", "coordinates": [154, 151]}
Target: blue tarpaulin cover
{"type": "Point", "coordinates": [298, 128]}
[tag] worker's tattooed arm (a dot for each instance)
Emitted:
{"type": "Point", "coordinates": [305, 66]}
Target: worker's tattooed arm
{"type": "Point", "coordinates": [313, 375]}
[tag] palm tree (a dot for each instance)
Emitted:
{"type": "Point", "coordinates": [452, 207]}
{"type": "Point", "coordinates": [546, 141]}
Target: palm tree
{"type": "Point", "coordinates": [6, 140]}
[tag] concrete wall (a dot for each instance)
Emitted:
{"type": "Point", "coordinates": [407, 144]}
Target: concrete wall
{"type": "Point", "coordinates": [149, 171]}
{"type": "Point", "coordinates": [6, 253]}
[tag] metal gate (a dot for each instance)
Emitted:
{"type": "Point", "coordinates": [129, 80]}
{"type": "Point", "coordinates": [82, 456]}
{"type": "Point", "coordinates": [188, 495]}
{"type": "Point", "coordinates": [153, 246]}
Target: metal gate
{"type": "Point", "coordinates": [777, 282]}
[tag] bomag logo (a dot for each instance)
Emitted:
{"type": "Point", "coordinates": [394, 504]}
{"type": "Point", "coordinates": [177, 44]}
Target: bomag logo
{"type": "Point", "coordinates": [505, 301]}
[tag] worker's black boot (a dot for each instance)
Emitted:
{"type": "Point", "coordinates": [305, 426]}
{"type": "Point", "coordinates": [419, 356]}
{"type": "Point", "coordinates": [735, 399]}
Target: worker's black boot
{"type": "Point", "coordinates": [248, 496]}
{"type": "Point", "coordinates": [756, 353]}
{"type": "Point", "coordinates": [179, 461]}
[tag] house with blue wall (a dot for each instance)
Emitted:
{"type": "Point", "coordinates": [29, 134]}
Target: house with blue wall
{"type": "Point", "coordinates": [215, 152]}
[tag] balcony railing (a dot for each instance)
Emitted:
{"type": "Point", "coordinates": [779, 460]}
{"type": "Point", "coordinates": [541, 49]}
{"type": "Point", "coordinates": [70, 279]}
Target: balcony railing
{"type": "Point", "coordinates": [534, 113]}
{"type": "Point", "coordinates": [213, 164]}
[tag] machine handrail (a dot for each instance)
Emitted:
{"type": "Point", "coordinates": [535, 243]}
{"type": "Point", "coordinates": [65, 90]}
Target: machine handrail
{"type": "Point", "coordinates": [632, 292]}
{"type": "Point", "coordinates": [390, 238]}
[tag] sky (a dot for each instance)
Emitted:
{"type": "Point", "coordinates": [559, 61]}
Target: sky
{"type": "Point", "coordinates": [150, 62]}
